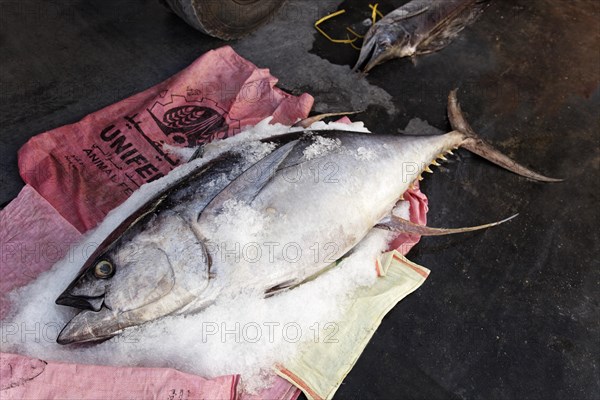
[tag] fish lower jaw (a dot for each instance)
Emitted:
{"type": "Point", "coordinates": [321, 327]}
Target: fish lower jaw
{"type": "Point", "coordinates": [65, 339]}
{"type": "Point", "coordinates": [70, 334]}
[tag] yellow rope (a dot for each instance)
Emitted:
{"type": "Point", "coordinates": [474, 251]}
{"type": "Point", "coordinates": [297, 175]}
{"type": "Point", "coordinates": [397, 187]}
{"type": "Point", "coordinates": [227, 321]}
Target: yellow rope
{"type": "Point", "coordinates": [325, 18]}
{"type": "Point", "coordinates": [374, 14]}
{"type": "Point", "coordinates": [354, 33]}
{"type": "Point", "coordinates": [355, 47]}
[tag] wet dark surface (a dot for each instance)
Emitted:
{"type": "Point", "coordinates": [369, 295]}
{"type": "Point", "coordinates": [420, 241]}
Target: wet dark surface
{"type": "Point", "coordinates": [509, 313]}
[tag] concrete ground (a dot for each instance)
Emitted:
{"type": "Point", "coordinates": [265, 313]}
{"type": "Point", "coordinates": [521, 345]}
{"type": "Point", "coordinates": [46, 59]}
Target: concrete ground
{"type": "Point", "coordinates": [509, 313]}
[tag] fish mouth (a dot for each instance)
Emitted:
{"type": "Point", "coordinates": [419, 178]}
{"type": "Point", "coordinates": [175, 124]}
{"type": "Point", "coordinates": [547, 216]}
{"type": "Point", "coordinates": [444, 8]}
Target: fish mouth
{"type": "Point", "coordinates": [91, 324]}
{"type": "Point", "coordinates": [81, 302]}
{"type": "Point", "coordinates": [373, 52]}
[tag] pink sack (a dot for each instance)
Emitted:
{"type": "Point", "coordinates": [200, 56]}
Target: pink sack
{"type": "Point", "coordinates": [29, 378]}
{"type": "Point", "coordinates": [86, 169]}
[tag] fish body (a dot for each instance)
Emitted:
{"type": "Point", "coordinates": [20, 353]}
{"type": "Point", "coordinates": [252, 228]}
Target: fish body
{"type": "Point", "coordinates": [235, 224]}
{"type": "Point", "coordinates": [347, 189]}
{"type": "Point", "coordinates": [179, 257]}
{"type": "Point", "coordinates": [418, 27]}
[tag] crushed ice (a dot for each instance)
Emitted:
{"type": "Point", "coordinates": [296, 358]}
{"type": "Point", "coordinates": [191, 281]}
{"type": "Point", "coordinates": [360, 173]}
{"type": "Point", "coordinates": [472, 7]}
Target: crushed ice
{"type": "Point", "coordinates": [321, 146]}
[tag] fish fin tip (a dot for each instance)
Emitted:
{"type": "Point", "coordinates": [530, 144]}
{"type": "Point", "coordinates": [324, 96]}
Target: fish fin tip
{"type": "Point", "coordinates": [198, 153]}
{"type": "Point", "coordinates": [401, 225]}
{"type": "Point", "coordinates": [307, 122]}
{"type": "Point", "coordinates": [477, 145]}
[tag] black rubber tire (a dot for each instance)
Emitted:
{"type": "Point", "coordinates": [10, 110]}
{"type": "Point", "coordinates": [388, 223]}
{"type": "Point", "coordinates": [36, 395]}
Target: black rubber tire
{"type": "Point", "coordinates": [226, 19]}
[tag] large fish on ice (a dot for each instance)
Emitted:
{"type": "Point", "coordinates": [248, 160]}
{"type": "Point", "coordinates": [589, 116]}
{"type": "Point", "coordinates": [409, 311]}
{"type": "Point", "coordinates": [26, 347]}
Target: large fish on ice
{"type": "Point", "coordinates": [235, 224]}
{"type": "Point", "coordinates": [418, 27]}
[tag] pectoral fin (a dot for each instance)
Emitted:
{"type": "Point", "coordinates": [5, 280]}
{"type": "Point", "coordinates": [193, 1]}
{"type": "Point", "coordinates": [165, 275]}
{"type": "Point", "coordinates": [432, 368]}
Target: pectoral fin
{"type": "Point", "coordinates": [282, 287]}
{"type": "Point", "coordinates": [400, 225]}
{"type": "Point", "coordinates": [247, 186]}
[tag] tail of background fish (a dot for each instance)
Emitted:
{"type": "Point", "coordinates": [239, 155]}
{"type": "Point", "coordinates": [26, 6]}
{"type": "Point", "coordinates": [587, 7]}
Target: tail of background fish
{"type": "Point", "coordinates": [475, 144]}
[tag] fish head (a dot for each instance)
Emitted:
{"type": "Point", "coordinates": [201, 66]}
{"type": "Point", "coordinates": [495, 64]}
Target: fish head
{"type": "Point", "coordinates": [114, 290]}
{"type": "Point", "coordinates": [382, 43]}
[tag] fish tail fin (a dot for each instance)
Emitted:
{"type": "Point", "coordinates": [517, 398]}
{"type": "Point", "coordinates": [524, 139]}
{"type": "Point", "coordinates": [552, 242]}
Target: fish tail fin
{"type": "Point", "coordinates": [477, 145]}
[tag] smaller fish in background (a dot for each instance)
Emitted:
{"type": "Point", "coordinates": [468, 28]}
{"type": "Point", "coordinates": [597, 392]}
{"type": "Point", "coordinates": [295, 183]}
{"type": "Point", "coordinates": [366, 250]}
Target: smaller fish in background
{"type": "Point", "coordinates": [418, 27]}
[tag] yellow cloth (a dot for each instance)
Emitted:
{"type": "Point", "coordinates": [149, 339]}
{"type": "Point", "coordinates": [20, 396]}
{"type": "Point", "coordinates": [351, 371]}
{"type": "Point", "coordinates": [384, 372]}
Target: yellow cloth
{"type": "Point", "coordinates": [321, 367]}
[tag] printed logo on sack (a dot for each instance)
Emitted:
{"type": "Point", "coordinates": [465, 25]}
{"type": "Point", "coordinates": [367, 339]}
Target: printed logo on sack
{"type": "Point", "coordinates": [191, 123]}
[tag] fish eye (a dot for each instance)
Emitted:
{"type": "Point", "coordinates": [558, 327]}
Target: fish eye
{"type": "Point", "coordinates": [104, 269]}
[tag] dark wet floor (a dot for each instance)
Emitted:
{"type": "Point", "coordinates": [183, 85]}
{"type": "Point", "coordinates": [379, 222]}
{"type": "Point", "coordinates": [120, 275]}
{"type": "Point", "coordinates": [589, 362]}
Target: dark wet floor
{"type": "Point", "coordinates": [509, 313]}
